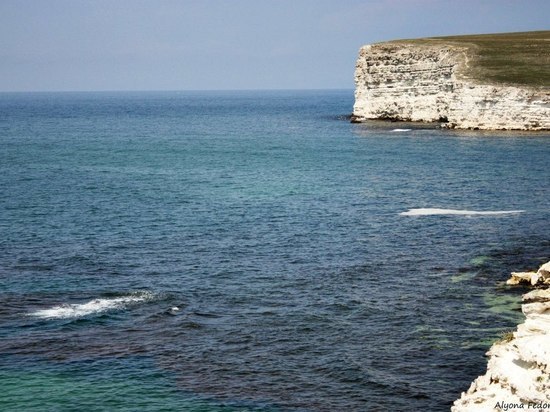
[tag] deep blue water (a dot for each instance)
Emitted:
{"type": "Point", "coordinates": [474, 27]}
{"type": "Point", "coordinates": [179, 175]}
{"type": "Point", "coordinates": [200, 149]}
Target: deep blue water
{"type": "Point", "coordinates": [274, 225]}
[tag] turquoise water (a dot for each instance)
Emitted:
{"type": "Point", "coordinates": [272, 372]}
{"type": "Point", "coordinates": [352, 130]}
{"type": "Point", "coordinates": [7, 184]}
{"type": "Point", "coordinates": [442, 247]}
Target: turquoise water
{"type": "Point", "coordinates": [276, 229]}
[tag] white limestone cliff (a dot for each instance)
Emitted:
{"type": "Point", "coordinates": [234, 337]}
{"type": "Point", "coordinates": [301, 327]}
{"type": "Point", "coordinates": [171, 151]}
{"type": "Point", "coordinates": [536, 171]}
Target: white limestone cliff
{"type": "Point", "coordinates": [518, 371]}
{"type": "Point", "coordinates": [428, 83]}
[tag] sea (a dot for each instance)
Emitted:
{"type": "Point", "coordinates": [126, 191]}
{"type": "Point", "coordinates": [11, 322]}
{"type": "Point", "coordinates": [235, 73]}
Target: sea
{"type": "Point", "coordinates": [255, 251]}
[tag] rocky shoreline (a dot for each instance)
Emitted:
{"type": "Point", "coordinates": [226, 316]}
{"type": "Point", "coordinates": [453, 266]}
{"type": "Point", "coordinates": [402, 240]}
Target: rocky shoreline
{"type": "Point", "coordinates": [407, 81]}
{"type": "Point", "coordinates": [518, 370]}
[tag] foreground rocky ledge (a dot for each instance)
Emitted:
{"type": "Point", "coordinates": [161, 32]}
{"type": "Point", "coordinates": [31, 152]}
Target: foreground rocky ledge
{"type": "Point", "coordinates": [518, 371]}
{"type": "Point", "coordinates": [421, 81]}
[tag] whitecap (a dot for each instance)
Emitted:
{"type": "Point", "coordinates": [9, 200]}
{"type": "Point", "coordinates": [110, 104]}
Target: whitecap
{"type": "Point", "coordinates": [93, 307]}
{"type": "Point", "coordinates": [401, 130]}
{"type": "Point", "coordinates": [436, 211]}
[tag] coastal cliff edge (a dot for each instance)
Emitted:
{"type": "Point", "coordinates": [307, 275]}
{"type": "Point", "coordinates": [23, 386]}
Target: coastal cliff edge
{"type": "Point", "coordinates": [518, 370]}
{"type": "Point", "coordinates": [444, 80]}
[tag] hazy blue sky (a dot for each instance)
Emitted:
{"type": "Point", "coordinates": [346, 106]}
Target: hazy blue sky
{"type": "Point", "coordinates": [231, 44]}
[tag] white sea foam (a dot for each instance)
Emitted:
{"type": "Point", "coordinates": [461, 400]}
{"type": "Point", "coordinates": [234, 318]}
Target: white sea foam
{"type": "Point", "coordinates": [401, 130]}
{"type": "Point", "coordinates": [436, 211]}
{"type": "Point", "coordinates": [77, 310]}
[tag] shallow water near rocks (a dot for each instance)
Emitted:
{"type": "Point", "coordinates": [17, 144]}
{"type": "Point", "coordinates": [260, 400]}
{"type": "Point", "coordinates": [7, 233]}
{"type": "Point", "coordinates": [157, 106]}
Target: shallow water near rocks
{"type": "Point", "coordinates": [278, 230]}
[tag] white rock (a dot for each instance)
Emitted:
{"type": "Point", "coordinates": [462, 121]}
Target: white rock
{"type": "Point", "coordinates": [537, 295]}
{"type": "Point", "coordinates": [518, 370]}
{"type": "Point", "coordinates": [535, 308]}
{"type": "Point", "coordinates": [544, 274]}
{"type": "Point", "coordinates": [521, 277]}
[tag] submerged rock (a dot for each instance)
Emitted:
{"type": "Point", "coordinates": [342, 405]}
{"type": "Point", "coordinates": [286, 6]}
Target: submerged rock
{"type": "Point", "coordinates": [518, 371]}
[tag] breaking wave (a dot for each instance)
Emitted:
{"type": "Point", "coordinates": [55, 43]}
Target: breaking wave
{"type": "Point", "coordinates": [401, 130]}
{"type": "Point", "coordinates": [93, 307]}
{"type": "Point", "coordinates": [436, 211]}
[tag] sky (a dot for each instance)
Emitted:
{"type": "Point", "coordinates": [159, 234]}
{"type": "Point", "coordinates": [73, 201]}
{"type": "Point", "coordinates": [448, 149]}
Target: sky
{"type": "Point", "coordinates": [96, 45]}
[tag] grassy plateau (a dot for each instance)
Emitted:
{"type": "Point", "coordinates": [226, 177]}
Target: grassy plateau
{"type": "Point", "coordinates": [507, 58]}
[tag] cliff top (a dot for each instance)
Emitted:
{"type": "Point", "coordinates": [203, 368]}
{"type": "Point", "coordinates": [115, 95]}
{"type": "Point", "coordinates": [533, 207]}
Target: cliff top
{"type": "Point", "coordinates": [509, 58]}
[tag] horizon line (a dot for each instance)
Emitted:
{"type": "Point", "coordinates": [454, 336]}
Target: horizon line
{"type": "Point", "coordinates": [175, 90]}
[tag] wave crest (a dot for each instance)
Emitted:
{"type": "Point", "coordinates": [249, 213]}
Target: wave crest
{"type": "Point", "coordinates": [436, 211]}
{"type": "Point", "coordinates": [93, 307]}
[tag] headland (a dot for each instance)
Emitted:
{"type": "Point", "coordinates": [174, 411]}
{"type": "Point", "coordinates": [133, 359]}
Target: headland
{"type": "Point", "coordinates": [487, 82]}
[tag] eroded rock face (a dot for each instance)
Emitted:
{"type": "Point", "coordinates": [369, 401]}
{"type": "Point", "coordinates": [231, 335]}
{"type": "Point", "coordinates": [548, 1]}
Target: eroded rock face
{"type": "Point", "coordinates": [518, 371]}
{"type": "Point", "coordinates": [412, 82]}
{"type": "Point", "coordinates": [540, 277]}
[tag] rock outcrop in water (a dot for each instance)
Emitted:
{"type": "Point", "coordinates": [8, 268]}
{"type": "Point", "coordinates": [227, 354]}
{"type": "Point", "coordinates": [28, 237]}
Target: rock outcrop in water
{"type": "Point", "coordinates": [518, 371]}
{"type": "Point", "coordinates": [540, 277]}
{"type": "Point", "coordinates": [411, 81]}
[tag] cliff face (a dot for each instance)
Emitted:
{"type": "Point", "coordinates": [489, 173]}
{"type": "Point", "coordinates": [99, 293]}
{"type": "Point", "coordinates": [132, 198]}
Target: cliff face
{"type": "Point", "coordinates": [419, 82]}
{"type": "Point", "coordinates": [518, 371]}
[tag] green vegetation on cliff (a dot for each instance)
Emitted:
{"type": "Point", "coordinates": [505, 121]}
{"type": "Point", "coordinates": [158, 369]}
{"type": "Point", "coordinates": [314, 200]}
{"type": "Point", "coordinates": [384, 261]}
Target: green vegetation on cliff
{"type": "Point", "coordinates": [510, 58]}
